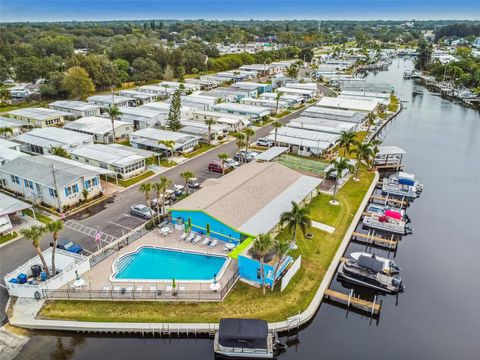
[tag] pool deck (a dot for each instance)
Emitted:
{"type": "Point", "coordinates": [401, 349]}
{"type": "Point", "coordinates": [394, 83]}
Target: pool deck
{"type": "Point", "coordinates": [99, 276]}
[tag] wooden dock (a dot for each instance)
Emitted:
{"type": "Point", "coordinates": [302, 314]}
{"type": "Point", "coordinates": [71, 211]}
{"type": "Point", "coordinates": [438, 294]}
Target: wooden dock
{"type": "Point", "coordinates": [389, 167]}
{"type": "Point", "coordinates": [385, 199]}
{"type": "Point", "coordinates": [373, 308]}
{"type": "Point", "coordinates": [372, 239]}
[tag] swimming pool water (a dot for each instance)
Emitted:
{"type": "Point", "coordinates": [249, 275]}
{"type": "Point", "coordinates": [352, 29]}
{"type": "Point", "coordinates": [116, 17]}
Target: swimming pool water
{"type": "Point", "coordinates": [149, 263]}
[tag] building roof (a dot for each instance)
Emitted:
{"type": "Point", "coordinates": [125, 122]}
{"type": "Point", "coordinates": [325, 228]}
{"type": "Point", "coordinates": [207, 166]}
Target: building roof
{"type": "Point", "coordinates": [52, 136]}
{"type": "Point", "coordinates": [239, 197]}
{"type": "Point", "coordinates": [39, 169]}
{"type": "Point", "coordinates": [10, 154]}
{"type": "Point", "coordinates": [8, 144]}
{"type": "Point", "coordinates": [11, 123]}
{"type": "Point", "coordinates": [201, 127]}
{"type": "Point", "coordinates": [291, 90]}
{"type": "Point", "coordinates": [322, 125]}
{"type": "Point", "coordinates": [73, 105]}
{"type": "Point", "coordinates": [120, 157]}
{"type": "Point", "coordinates": [349, 104]}
{"type": "Point", "coordinates": [107, 99]}
{"type": "Point", "coordinates": [151, 137]}
{"type": "Point", "coordinates": [39, 113]}
{"type": "Point", "coordinates": [10, 205]}
{"type": "Point", "coordinates": [271, 153]}
{"type": "Point", "coordinates": [334, 114]}
{"type": "Point", "coordinates": [216, 114]}
{"type": "Point", "coordinates": [251, 109]}
{"type": "Point", "coordinates": [390, 150]}
{"type": "Point", "coordinates": [95, 125]}
{"type": "Point", "coordinates": [306, 134]}
{"type": "Point", "coordinates": [136, 94]}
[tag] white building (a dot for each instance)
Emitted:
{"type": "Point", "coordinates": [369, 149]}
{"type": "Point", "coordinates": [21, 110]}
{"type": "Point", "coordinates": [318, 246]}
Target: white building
{"type": "Point", "coordinates": [335, 114]}
{"type": "Point", "coordinates": [39, 117]}
{"type": "Point", "coordinates": [161, 92]}
{"type": "Point", "coordinates": [201, 102]}
{"type": "Point", "coordinates": [199, 128]}
{"type": "Point", "coordinates": [76, 108]}
{"type": "Point", "coordinates": [271, 104]}
{"type": "Point", "coordinates": [140, 96]}
{"type": "Point", "coordinates": [14, 125]}
{"type": "Point", "coordinates": [291, 100]}
{"type": "Point", "coordinates": [303, 142]}
{"type": "Point", "coordinates": [365, 106]}
{"type": "Point", "coordinates": [322, 125]}
{"type": "Point", "coordinates": [100, 128]}
{"type": "Point", "coordinates": [7, 155]}
{"type": "Point", "coordinates": [149, 139]}
{"type": "Point", "coordinates": [305, 93]}
{"type": "Point", "coordinates": [41, 141]}
{"type": "Point", "coordinates": [9, 144]}
{"type": "Point", "coordinates": [106, 101]}
{"type": "Point", "coordinates": [234, 122]}
{"type": "Point", "coordinates": [252, 111]}
{"type": "Point", "coordinates": [144, 116]}
{"type": "Point", "coordinates": [55, 183]}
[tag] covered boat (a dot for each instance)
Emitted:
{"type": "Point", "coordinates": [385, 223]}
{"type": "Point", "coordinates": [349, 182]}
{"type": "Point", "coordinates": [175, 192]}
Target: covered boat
{"type": "Point", "coordinates": [244, 338]}
{"type": "Point", "coordinates": [404, 178]}
{"type": "Point", "coordinates": [392, 187]}
{"type": "Point", "coordinates": [389, 266]}
{"type": "Point", "coordinates": [387, 223]}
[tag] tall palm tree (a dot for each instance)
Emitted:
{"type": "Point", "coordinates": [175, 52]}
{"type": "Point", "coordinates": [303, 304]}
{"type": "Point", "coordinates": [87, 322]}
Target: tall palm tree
{"type": "Point", "coordinates": [6, 130]}
{"type": "Point", "coordinates": [276, 125]}
{"type": "Point", "coordinates": [376, 149]}
{"type": "Point", "coordinates": [34, 234]}
{"type": "Point", "coordinates": [363, 151]}
{"type": "Point", "coordinates": [249, 133]}
{"type": "Point", "coordinates": [160, 189]}
{"type": "Point", "coordinates": [146, 189]}
{"type": "Point", "coordinates": [169, 144]}
{"type": "Point", "coordinates": [296, 218]}
{"type": "Point", "coordinates": [209, 123]}
{"type": "Point", "coordinates": [277, 98]}
{"type": "Point", "coordinates": [54, 227]}
{"type": "Point", "coordinates": [280, 248]}
{"type": "Point", "coordinates": [187, 175]}
{"type": "Point", "coordinates": [370, 121]}
{"type": "Point", "coordinates": [113, 112]}
{"type": "Point", "coordinates": [59, 151]}
{"type": "Point", "coordinates": [261, 247]}
{"type": "Point", "coordinates": [339, 167]}
{"type": "Point", "coordinates": [346, 140]}
{"type": "Point", "coordinates": [223, 157]}
{"type": "Point", "coordinates": [240, 140]}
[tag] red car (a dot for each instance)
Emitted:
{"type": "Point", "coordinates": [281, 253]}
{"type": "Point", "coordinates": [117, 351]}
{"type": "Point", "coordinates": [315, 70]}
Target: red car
{"type": "Point", "coordinates": [215, 166]}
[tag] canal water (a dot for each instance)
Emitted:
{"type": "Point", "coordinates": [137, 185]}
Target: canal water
{"type": "Point", "coordinates": [437, 317]}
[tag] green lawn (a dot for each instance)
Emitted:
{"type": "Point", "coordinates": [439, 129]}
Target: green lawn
{"type": "Point", "coordinates": [8, 237]}
{"type": "Point", "coordinates": [40, 217]}
{"type": "Point", "coordinates": [131, 181]}
{"type": "Point", "coordinates": [202, 148]}
{"type": "Point", "coordinates": [243, 300]}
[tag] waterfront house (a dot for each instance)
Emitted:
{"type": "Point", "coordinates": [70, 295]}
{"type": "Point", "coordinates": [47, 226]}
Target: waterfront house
{"type": "Point", "coordinates": [148, 139]}
{"type": "Point", "coordinates": [78, 109]}
{"type": "Point", "coordinates": [322, 125]}
{"type": "Point", "coordinates": [100, 128]}
{"type": "Point", "coordinates": [39, 117]}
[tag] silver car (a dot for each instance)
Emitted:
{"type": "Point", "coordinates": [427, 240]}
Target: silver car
{"type": "Point", "coordinates": [142, 211]}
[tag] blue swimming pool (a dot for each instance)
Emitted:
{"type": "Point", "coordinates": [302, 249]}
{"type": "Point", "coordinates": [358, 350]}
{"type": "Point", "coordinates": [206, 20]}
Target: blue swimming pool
{"type": "Point", "coordinates": [152, 263]}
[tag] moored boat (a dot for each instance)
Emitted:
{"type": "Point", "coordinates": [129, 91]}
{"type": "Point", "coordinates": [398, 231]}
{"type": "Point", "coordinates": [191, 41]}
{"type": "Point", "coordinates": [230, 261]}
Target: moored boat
{"type": "Point", "coordinates": [387, 210]}
{"type": "Point", "coordinates": [394, 188]}
{"type": "Point", "coordinates": [387, 223]}
{"type": "Point", "coordinates": [389, 266]}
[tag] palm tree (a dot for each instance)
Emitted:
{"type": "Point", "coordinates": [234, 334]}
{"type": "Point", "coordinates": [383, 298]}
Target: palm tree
{"type": "Point", "coordinates": [59, 151]}
{"type": "Point", "coordinates": [249, 132]}
{"type": "Point", "coordinates": [146, 189]}
{"type": "Point", "coordinates": [209, 123]}
{"type": "Point", "coordinates": [240, 140]}
{"type": "Point", "coordinates": [364, 152]}
{"type": "Point", "coordinates": [346, 140]}
{"type": "Point", "coordinates": [34, 234]}
{"type": "Point", "coordinates": [113, 112]}
{"type": "Point", "coordinates": [280, 248]}
{"type": "Point", "coordinates": [370, 121]}
{"type": "Point", "coordinates": [339, 167]}
{"type": "Point", "coordinates": [161, 188]}
{"type": "Point", "coordinates": [276, 125]}
{"type": "Point", "coordinates": [261, 247]}
{"type": "Point", "coordinates": [277, 98]}
{"type": "Point", "coordinates": [187, 176]}
{"type": "Point", "coordinates": [375, 143]}
{"type": "Point", "coordinates": [54, 227]}
{"type": "Point", "coordinates": [296, 218]}
{"type": "Point", "coordinates": [169, 144]}
{"type": "Point", "coordinates": [6, 130]}
{"type": "Point", "coordinates": [223, 157]}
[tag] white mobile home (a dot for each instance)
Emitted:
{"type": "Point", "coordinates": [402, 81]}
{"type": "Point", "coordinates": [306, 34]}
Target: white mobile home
{"type": "Point", "coordinates": [100, 128]}
{"type": "Point", "coordinates": [39, 117]}
{"type": "Point", "coordinates": [140, 96]}
{"type": "Point", "coordinates": [234, 122]}
{"type": "Point", "coordinates": [252, 111]}
{"type": "Point", "coordinates": [148, 139]}
{"type": "Point", "coordinates": [106, 101]}
{"type": "Point", "coordinates": [199, 128]}
{"type": "Point", "coordinates": [143, 116]}
{"type": "Point", "coordinates": [365, 106]}
{"type": "Point", "coordinates": [335, 114]}
{"type": "Point", "coordinates": [201, 102]}
{"type": "Point", "coordinates": [303, 142]}
{"type": "Point", "coordinates": [78, 109]}
{"type": "Point", "coordinates": [14, 125]}
{"type": "Point", "coordinates": [271, 104]}
{"type": "Point", "coordinates": [305, 93]}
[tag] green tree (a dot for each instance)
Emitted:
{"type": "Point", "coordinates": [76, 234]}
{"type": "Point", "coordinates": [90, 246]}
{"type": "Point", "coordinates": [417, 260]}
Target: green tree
{"type": "Point", "coordinates": [187, 175]}
{"type": "Point", "coordinates": [277, 98]}
{"type": "Point", "coordinates": [160, 189]}
{"type": "Point", "coordinates": [54, 227]}
{"type": "Point", "coordinates": [180, 73]}
{"type": "Point", "coordinates": [346, 140]}
{"type": "Point", "coordinates": [122, 68]}
{"type": "Point", "coordinates": [114, 112]}
{"type": "Point", "coordinates": [296, 218]}
{"type": "Point", "coordinates": [169, 144]}
{"type": "Point", "coordinates": [146, 190]}
{"type": "Point", "coordinates": [424, 55]}
{"type": "Point", "coordinates": [363, 151]}
{"type": "Point", "coordinates": [223, 157]}
{"type": "Point", "coordinates": [240, 140]}
{"type": "Point", "coordinates": [249, 133]}
{"type": "Point", "coordinates": [338, 169]}
{"type": "Point", "coordinates": [6, 130]}
{"type": "Point", "coordinates": [280, 249]}
{"type": "Point", "coordinates": [168, 73]}
{"type": "Point", "coordinates": [60, 151]}
{"type": "Point", "coordinates": [34, 234]}
{"type": "Point", "coordinates": [261, 247]}
{"type": "Point", "coordinates": [370, 121]}
{"type": "Point", "coordinates": [77, 83]}
{"type": "Point", "coordinates": [210, 123]}
{"type": "Point", "coordinates": [174, 114]}
{"type": "Point", "coordinates": [276, 125]}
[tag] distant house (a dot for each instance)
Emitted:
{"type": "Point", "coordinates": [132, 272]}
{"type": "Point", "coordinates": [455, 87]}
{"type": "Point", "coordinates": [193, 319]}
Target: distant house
{"type": "Point", "coordinates": [49, 181]}
{"type": "Point", "coordinates": [234, 122]}
{"type": "Point", "coordinates": [148, 139]}
{"type": "Point", "coordinates": [201, 102]}
{"type": "Point", "coordinates": [41, 141]}
{"type": "Point", "coordinates": [363, 105]}
{"type": "Point", "coordinates": [7, 154]}
{"type": "Point", "coordinates": [106, 101]}
{"type": "Point", "coordinates": [291, 100]}
{"type": "Point", "coordinates": [305, 93]}
{"type": "Point", "coordinates": [249, 85]}
{"type": "Point", "coordinates": [140, 96]}
{"type": "Point", "coordinates": [271, 104]}
{"type": "Point", "coordinates": [14, 125]}
{"type": "Point", "coordinates": [252, 111]}
{"type": "Point", "coordinates": [7, 144]}
{"type": "Point", "coordinates": [144, 116]}
{"type": "Point", "coordinates": [100, 128]}
{"type": "Point", "coordinates": [161, 92]}
{"type": "Point", "coordinates": [39, 117]}
{"type": "Point", "coordinates": [199, 128]}
{"type": "Point", "coordinates": [76, 108]}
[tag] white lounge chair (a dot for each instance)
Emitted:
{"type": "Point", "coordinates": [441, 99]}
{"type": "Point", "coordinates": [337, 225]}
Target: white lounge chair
{"type": "Point", "coordinates": [197, 239]}
{"type": "Point", "coordinates": [105, 290]}
{"type": "Point", "coordinates": [128, 290]}
{"type": "Point", "coordinates": [206, 241]}
{"type": "Point", "coordinates": [169, 288]}
{"type": "Point", "coordinates": [213, 243]}
{"type": "Point", "coordinates": [116, 289]}
{"type": "Point", "coordinates": [190, 237]}
{"type": "Point", "coordinates": [183, 236]}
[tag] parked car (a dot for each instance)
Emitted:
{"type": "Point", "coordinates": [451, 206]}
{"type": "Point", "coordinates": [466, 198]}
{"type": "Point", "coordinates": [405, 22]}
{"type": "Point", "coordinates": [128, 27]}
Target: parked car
{"type": "Point", "coordinates": [193, 183]}
{"type": "Point", "coordinates": [249, 153]}
{"type": "Point", "coordinates": [230, 163]}
{"type": "Point", "coordinates": [178, 189]}
{"type": "Point", "coordinates": [264, 142]}
{"type": "Point", "coordinates": [142, 211]}
{"type": "Point", "coordinates": [243, 157]}
{"type": "Point", "coordinates": [216, 166]}
{"type": "Point", "coordinates": [69, 246]}
{"type": "Point", "coordinates": [170, 198]}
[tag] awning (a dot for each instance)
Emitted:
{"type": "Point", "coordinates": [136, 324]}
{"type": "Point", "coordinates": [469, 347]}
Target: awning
{"type": "Point", "coordinates": [10, 205]}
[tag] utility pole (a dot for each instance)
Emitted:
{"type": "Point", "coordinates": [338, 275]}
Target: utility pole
{"type": "Point", "coordinates": [56, 189]}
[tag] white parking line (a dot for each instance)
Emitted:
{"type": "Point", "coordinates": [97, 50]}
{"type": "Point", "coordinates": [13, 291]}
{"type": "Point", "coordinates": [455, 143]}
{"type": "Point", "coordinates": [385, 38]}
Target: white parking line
{"type": "Point", "coordinates": [122, 226]}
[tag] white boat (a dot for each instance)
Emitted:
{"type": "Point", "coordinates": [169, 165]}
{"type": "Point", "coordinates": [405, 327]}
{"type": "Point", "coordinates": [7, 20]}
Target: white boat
{"type": "Point", "coordinates": [380, 209]}
{"type": "Point", "coordinates": [386, 223]}
{"type": "Point", "coordinates": [405, 178]}
{"type": "Point", "coordinates": [389, 266]}
{"type": "Point", "coordinates": [394, 188]}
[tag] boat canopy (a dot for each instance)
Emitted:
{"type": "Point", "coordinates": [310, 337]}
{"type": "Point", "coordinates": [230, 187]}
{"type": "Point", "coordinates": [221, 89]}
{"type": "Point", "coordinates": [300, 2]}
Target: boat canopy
{"type": "Point", "coordinates": [243, 333]}
{"type": "Point", "coordinates": [393, 214]}
{"type": "Point", "coordinates": [370, 263]}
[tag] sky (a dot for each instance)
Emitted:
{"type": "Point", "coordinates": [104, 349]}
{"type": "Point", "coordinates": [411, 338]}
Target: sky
{"type": "Point", "coordinates": [59, 10]}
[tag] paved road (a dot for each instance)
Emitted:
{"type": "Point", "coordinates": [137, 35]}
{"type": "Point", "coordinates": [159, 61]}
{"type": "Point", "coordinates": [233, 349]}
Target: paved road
{"type": "Point", "coordinates": [111, 216]}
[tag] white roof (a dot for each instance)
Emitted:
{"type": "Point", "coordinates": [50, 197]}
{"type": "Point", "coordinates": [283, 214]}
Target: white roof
{"type": "Point", "coordinates": [95, 125]}
{"type": "Point", "coordinates": [136, 94]}
{"type": "Point", "coordinates": [201, 125]}
{"type": "Point", "coordinates": [144, 111]}
{"type": "Point", "coordinates": [348, 104]}
{"type": "Point", "coordinates": [362, 98]}
{"type": "Point", "coordinates": [10, 154]}
{"type": "Point", "coordinates": [307, 86]}
{"type": "Point", "coordinates": [390, 150]}
{"type": "Point", "coordinates": [8, 144]}
{"type": "Point", "coordinates": [216, 114]}
{"type": "Point", "coordinates": [107, 99]}
{"type": "Point", "coordinates": [290, 90]}
{"type": "Point", "coordinates": [271, 153]}
{"type": "Point", "coordinates": [10, 205]}
{"type": "Point", "coordinates": [306, 134]}
{"type": "Point", "coordinates": [322, 125]}
{"type": "Point", "coordinates": [52, 136]}
{"type": "Point", "coordinates": [252, 109]}
{"type": "Point", "coordinates": [153, 136]}
{"type": "Point", "coordinates": [10, 123]}
{"type": "Point", "coordinates": [70, 164]}
{"type": "Point", "coordinates": [39, 113]}
{"type": "Point", "coordinates": [120, 157]}
{"type": "Point", "coordinates": [366, 94]}
{"type": "Point", "coordinates": [73, 105]}
{"type": "Point", "coordinates": [161, 107]}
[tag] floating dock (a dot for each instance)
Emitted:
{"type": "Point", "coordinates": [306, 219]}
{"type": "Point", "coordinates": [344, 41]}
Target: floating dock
{"type": "Point", "coordinates": [386, 199]}
{"type": "Point", "coordinates": [372, 239]}
{"type": "Point", "coordinates": [373, 308]}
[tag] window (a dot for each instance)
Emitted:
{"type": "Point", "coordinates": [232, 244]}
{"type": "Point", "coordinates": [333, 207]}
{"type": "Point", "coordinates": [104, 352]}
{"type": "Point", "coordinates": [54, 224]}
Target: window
{"type": "Point", "coordinates": [15, 179]}
{"type": "Point", "coordinates": [28, 183]}
{"type": "Point", "coordinates": [52, 192]}
{"type": "Point", "coordinates": [71, 190]}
